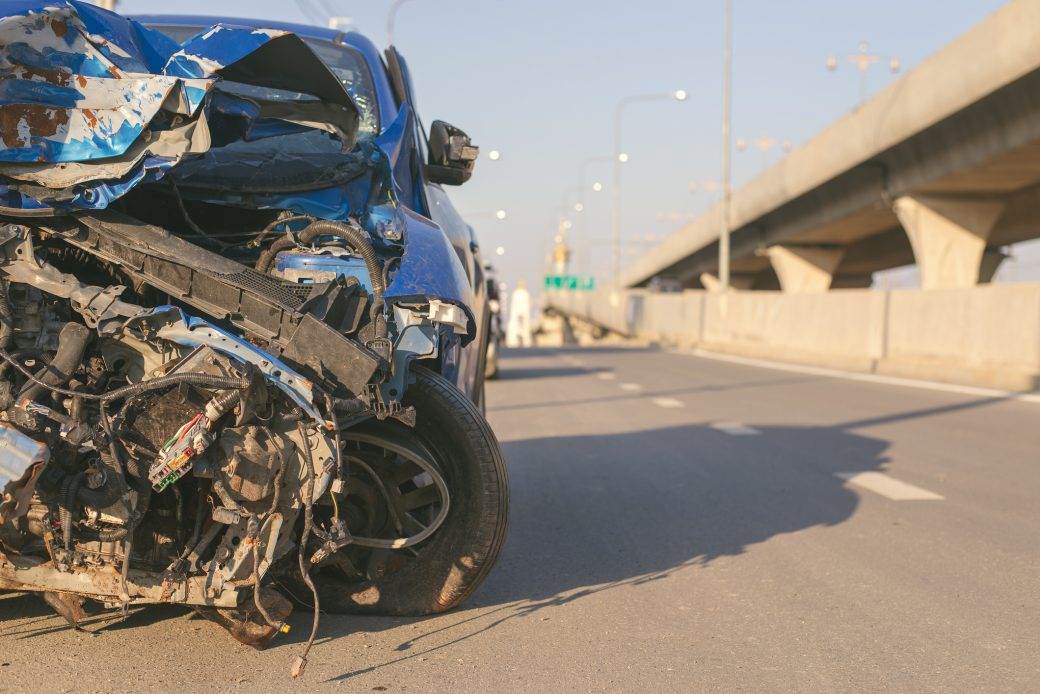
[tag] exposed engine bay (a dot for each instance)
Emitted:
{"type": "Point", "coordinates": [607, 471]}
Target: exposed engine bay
{"type": "Point", "coordinates": [151, 456]}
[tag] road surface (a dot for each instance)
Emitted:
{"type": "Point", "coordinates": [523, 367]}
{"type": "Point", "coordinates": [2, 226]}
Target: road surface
{"type": "Point", "coordinates": [678, 524]}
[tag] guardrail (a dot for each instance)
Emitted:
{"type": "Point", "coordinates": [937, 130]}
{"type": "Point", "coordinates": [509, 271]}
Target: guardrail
{"type": "Point", "coordinates": [987, 335]}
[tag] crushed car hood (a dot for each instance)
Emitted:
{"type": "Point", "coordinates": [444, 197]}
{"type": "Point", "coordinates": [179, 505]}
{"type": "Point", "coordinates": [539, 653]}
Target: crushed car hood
{"type": "Point", "coordinates": [92, 104]}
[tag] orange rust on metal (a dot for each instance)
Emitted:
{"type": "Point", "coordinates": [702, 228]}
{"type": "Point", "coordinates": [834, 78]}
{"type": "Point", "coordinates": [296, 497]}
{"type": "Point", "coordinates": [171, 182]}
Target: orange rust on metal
{"type": "Point", "coordinates": [18, 120]}
{"type": "Point", "coordinates": [59, 27]}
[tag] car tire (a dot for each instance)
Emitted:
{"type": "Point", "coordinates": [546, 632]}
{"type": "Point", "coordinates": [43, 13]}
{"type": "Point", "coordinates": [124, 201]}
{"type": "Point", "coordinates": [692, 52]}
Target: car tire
{"type": "Point", "coordinates": [456, 559]}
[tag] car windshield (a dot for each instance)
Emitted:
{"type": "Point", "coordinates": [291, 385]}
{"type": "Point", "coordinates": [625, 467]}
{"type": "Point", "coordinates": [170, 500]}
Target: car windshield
{"type": "Point", "coordinates": [345, 62]}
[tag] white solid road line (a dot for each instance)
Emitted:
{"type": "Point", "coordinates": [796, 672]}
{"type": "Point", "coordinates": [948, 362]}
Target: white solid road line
{"type": "Point", "coordinates": [667, 403]}
{"type": "Point", "coordinates": [888, 487]}
{"type": "Point", "coordinates": [870, 378]}
{"type": "Point", "coordinates": [631, 386]}
{"type": "Point", "coordinates": [606, 376]}
{"type": "Point", "coordinates": [735, 428]}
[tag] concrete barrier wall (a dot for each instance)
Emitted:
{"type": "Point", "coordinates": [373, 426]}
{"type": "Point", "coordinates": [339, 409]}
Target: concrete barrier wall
{"type": "Point", "coordinates": [987, 335]}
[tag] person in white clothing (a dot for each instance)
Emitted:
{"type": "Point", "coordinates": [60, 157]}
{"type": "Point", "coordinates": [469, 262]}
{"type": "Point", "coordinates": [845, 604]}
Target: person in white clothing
{"type": "Point", "coordinates": [518, 332]}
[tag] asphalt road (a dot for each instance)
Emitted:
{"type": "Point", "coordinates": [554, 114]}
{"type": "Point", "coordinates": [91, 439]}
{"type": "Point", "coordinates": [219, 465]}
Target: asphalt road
{"type": "Point", "coordinates": [678, 524]}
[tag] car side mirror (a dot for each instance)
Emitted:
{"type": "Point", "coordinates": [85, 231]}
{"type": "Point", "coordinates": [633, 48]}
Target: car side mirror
{"type": "Point", "coordinates": [452, 155]}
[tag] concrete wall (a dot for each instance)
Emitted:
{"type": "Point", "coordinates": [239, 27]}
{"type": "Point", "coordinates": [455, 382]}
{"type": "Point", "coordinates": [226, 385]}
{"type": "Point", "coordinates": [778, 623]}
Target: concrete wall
{"type": "Point", "coordinates": [987, 335]}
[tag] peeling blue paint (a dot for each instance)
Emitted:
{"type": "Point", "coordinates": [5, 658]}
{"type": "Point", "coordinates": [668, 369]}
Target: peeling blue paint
{"type": "Point", "coordinates": [79, 84]}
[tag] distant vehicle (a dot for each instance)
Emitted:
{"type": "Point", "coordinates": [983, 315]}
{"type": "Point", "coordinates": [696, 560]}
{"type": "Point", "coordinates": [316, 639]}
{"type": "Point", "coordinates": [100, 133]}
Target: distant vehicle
{"type": "Point", "coordinates": [496, 331]}
{"type": "Point", "coordinates": [242, 327]}
{"type": "Point", "coordinates": [664, 285]}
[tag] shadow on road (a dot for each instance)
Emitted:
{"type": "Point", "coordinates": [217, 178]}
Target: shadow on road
{"type": "Point", "coordinates": [527, 373]}
{"type": "Point", "coordinates": [593, 513]}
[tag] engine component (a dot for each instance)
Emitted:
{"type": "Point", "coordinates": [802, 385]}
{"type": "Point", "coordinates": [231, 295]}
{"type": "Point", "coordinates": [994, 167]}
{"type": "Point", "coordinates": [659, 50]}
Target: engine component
{"type": "Point", "coordinates": [21, 462]}
{"type": "Point", "coordinates": [257, 303]}
{"type": "Point", "coordinates": [252, 461]}
{"type": "Point", "coordinates": [324, 266]}
{"type": "Point", "coordinates": [174, 460]}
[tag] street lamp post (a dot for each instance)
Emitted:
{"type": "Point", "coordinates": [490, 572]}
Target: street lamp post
{"type": "Point", "coordinates": [863, 60]}
{"type": "Point", "coordinates": [391, 16]}
{"type": "Point", "coordinates": [727, 76]}
{"type": "Point", "coordinates": [619, 158]}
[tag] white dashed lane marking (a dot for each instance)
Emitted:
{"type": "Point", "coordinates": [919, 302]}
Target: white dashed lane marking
{"type": "Point", "coordinates": [888, 487]}
{"type": "Point", "coordinates": [606, 376]}
{"type": "Point", "coordinates": [735, 429]}
{"type": "Point", "coordinates": [631, 387]}
{"type": "Point", "coordinates": [667, 403]}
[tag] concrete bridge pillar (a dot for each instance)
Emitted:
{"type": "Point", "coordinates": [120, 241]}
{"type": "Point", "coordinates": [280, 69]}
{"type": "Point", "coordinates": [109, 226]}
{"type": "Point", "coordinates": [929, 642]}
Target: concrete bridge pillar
{"type": "Point", "coordinates": [805, 269]}
{"type": "Point", "coordinates": [949, 236]}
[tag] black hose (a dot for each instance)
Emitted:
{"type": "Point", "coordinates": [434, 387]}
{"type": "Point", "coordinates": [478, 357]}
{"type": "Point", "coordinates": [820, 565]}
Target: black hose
{"type": "Point", "coordinates": [203, 380]}
{"type": "Point", "coordinates": [69, 487]}
{"type": "Point", "coordinates": [72, 343]}
{"type": "Point", "coordinates": [263, 263]}
{"type": "Point", "coordinates": [274, 225]}
{"type": "Point", "coordinates": [6, 317]}
{"type": "Point", "coordinates": [358, 240]}
{"type": "Point", "coordinates": [362, 245]}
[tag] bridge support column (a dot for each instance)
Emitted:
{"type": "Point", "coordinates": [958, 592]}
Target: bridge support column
{"type": "Point", "coordinates": [736, 281]}
{"type": "Point", "coordinates": [949, 236]}
{"type": "Point", "coordinates": [805, 269]}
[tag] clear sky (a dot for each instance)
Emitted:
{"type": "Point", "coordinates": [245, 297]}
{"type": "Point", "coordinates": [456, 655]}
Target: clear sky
{"type": "Point", "coordinates": [538, 80]}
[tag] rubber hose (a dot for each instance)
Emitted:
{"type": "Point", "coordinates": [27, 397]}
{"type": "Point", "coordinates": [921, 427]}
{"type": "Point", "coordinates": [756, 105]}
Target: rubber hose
{"type": "Point", "coordinates": [358, 240]}
{"type": "Point", "coordinates": [6, 317]}
{"type": "Point", "coordinates": [72, 343]}
{"type": "Point", "coordinates": [204, 380]}
{"type": "Point", "coordinates": [263, 263]}
{"type": "Point", "coordinates": [69, 489]}
{"type": "Point", "coordinates": [362, 245]}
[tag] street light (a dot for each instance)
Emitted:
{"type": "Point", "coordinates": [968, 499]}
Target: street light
{"type": "Point", "coordinates": [727, 122]}
{"type": "Point", "coordinates": [494, 155]}
{"type": "Point", "coordinates": [391, 17]}
{"type": "Point", "coordinates": [619, 159]}
{"type": "Point", "coordinates": [597, 186]}
{"type": "Point", "coordinates": [863, 60]}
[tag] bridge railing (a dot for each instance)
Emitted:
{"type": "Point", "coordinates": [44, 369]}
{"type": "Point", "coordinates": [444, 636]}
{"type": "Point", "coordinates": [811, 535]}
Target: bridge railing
{"type": "Point", "coordinates": [987, 335]}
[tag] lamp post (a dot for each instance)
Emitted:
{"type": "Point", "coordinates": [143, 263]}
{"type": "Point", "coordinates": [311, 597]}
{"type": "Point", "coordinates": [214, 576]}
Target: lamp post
{"type": "Point", "coordinates": [863, 59]}
{"type": "Point", "coordinates": [391, 16]}
{"type": "Point", "coordinates": [727, 77]}
{"type": "Point", "coordinates": [620, 158]}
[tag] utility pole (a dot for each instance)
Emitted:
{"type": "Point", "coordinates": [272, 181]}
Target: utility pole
{"type": "Point", "coordinates": [727, 77]}
{"type": "Point", "coordinates": [620, 158]}
{"type": "Point", "coordinates": [391, 17]}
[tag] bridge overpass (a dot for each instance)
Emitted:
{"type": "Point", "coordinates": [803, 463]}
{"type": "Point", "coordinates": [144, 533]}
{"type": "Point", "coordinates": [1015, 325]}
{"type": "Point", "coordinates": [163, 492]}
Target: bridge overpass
{"type": "Point", "coordinates": [941, 169]}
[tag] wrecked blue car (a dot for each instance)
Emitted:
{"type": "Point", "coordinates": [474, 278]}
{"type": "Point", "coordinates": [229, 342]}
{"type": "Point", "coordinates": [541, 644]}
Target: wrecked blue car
{"type": "Point", "coordinates": [242, 328]}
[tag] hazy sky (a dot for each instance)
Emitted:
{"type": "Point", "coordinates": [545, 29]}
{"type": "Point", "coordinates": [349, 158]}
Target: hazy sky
{"type": "Point", "coordinates": [538, 80]}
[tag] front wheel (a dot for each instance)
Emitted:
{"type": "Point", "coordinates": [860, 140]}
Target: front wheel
{"type": "Point", "coordinates": [442, 571]}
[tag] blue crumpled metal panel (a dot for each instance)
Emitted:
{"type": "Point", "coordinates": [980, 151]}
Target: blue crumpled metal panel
{"type": "Point", "coordinates": [80, 84]}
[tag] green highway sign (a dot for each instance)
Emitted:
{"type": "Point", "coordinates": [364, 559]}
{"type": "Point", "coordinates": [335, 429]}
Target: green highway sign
{"type": "Point", "coordinates": [581, 283]}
